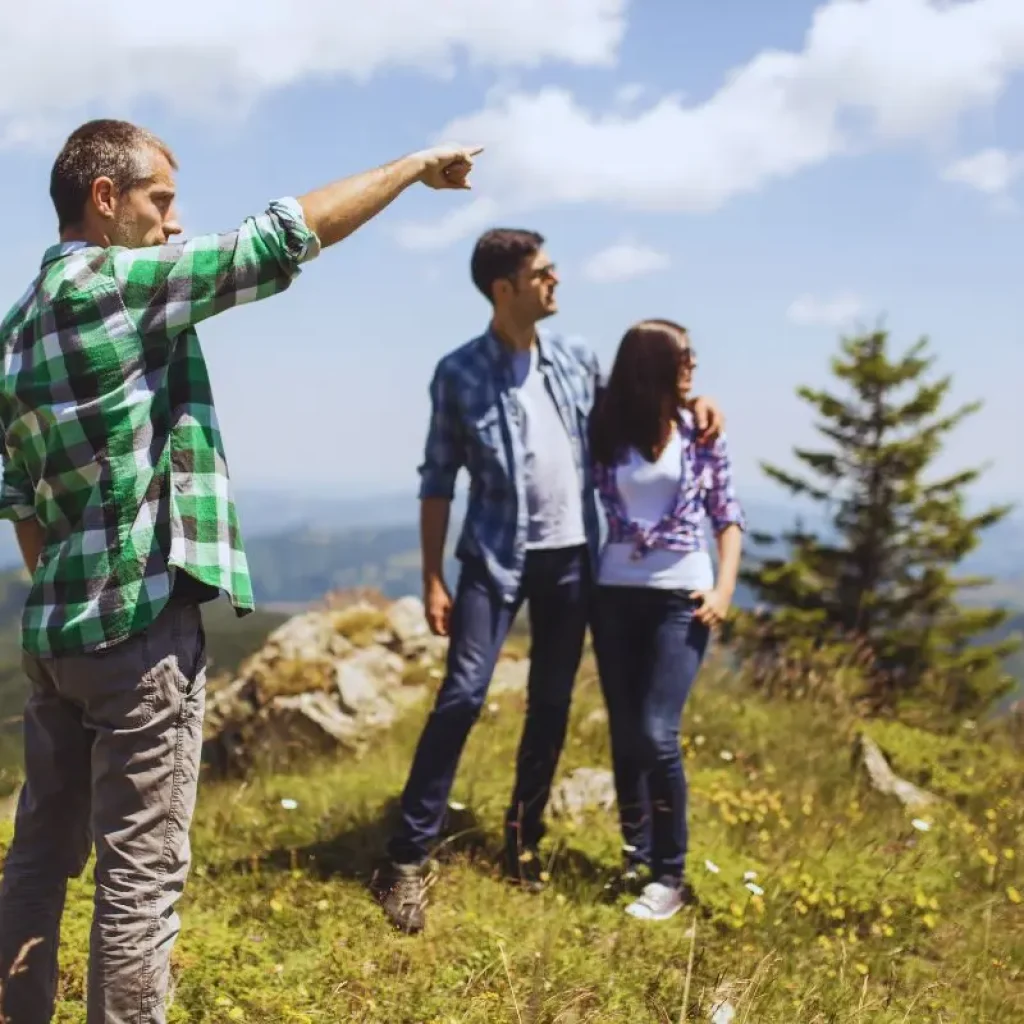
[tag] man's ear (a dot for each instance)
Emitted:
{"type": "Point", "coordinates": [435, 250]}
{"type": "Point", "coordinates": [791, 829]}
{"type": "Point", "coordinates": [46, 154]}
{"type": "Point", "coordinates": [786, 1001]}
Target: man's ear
{"type": "Point", "coordinates": [501, 289]}
{"type": "Point", "coordinates": [103, 195]}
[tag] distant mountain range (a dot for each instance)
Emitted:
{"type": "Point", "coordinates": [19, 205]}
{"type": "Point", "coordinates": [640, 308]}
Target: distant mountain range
{"type": "Point", "coordinates": [301, 546]}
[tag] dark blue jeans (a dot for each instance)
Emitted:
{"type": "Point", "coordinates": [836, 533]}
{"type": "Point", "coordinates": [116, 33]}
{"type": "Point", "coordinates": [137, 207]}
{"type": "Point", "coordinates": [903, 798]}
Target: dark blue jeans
{"type": "Point", "coordinates": [649, 649]}
{"type": "Point", "coordinates": [556, 586]}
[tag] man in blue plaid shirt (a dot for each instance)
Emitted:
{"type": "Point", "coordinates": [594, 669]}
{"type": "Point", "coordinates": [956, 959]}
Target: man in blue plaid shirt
{"type": "Point", "coordinates": [510, 407]}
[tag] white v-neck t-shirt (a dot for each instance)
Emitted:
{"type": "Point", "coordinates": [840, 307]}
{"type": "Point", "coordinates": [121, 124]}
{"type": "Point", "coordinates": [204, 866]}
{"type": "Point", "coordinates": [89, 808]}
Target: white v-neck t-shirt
{"type": "Point", "coordinates": [648, 491]}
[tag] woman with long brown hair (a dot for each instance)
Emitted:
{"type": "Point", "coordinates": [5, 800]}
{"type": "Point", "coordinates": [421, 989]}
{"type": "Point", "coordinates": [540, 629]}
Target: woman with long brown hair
{"type": "Point", "coordinates": [657, 598]}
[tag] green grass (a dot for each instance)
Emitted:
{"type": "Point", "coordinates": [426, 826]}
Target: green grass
{"type": "Point", "coordinates": [863, 918]}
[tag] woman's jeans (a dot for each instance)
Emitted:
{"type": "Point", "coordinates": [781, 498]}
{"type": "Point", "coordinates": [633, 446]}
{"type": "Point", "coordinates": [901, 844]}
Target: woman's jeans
{"type": "Point", "coordinates": [649, 649]}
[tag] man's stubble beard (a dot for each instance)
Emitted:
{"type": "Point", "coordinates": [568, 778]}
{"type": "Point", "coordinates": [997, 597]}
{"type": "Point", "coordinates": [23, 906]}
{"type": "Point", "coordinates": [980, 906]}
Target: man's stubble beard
{"type": "Point", "coordinates": [126, 232]}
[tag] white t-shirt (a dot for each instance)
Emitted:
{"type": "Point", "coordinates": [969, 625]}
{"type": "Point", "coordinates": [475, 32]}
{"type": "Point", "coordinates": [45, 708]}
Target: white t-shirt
{"type": "Point", "coordinates": [648, 491]}
{"type": "Point", "coordinates": [554, 493]}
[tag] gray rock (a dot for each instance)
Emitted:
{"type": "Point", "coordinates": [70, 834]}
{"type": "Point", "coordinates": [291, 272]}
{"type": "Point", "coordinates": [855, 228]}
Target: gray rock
{"type": "Point", "coordinates": [885, 780]}
{"type": "Point", "coordinates": [510, 676]}
{"type": "Point", "coordinates": [268, 709]}
{"type": "Point", "coordinates": [304, 638]}
{"type": "Point", "coordinates": [357, 688]}
{"type": "Point", "coordinates": [367, 683]}
{"type": "Point", "coordinates": [585, 790]}
{"type": "Point", "coordinates": [299, 725]}
{"type": "Point", "coordinates": [407, 620]}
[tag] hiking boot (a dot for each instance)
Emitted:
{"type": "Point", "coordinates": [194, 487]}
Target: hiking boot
{"type": "Point", "coordinates": [402, 891]}
{"type": "Point", "coordinates": [526, 870]}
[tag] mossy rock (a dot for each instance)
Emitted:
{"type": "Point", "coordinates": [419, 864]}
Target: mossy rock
{"type": "Point", "coordinates": [288, 678]}
{"type": "Point", "coordinates": [360, 625]}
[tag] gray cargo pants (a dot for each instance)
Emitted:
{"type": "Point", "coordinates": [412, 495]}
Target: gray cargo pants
{"type": "Point", "coordinates": [112, 750]}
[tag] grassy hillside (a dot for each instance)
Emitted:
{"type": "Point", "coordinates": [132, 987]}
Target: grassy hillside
{"type": "Point", "coordinates": [862, 918]}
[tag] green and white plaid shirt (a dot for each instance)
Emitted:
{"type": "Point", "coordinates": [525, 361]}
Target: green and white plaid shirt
{"type": "Point", "coordinates": [110, 438]}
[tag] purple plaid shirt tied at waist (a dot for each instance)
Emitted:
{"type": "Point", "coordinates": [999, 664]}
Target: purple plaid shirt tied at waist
{"type": "Point", "coordinates": [705, 492]}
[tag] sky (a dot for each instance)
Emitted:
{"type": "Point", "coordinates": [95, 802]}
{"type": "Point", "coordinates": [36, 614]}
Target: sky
{"type": "Point", "coordinates": [771, 175]}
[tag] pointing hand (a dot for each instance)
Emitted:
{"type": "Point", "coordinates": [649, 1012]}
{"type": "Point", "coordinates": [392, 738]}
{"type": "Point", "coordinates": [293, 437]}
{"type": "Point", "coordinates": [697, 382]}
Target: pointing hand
{"type": "Point", "coordinates": [448, 166]}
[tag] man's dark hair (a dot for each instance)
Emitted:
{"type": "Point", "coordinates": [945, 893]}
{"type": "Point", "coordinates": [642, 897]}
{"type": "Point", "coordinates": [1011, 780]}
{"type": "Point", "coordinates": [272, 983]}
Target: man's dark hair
{"type": "Point", "coordinates": [499, 253]}
{"type": "Point", "coordinates": [100, 149]}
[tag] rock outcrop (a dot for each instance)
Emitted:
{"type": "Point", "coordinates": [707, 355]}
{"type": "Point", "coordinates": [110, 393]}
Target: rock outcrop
{"type": "Point", "coordinates": [885, 780]}
{"type": "Point", "coordinates": [330, 678]}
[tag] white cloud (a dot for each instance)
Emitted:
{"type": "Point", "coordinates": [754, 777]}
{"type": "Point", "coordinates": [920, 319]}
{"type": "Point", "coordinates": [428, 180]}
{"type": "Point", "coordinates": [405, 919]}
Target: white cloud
{"type": "Point", "coordinates": [871, 72]}
{"type": "Point", "coordinates": [837, 311]}
{"type": "Point", "coordinates": [624, 261]}
{"type": "Point", "coordinates": [469, 219]}
{"type": "Point", "coordinates": [991, 171]}
{"type": "Point", "coordinates": [61, 59]}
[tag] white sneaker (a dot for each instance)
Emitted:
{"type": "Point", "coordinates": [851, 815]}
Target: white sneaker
{"type": "Point", "coordinates": [657, 903]}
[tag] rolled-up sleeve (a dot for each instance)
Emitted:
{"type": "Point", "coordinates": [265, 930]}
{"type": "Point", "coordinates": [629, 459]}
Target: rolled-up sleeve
{"type": "Point", "coordinates": [172, 287]}
{"type": "Point", "coordinates": [444, 452]}
{"type": "Point", "coordinates": [720, 501]}
{"type": "Point", "coordinates": [17, 495]}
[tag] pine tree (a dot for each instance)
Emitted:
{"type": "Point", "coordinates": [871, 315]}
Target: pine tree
{"type": "Point", "coordinates": [884, 572]}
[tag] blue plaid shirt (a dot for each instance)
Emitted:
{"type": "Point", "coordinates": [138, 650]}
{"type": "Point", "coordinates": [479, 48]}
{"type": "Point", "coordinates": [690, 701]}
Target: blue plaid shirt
{"type": "Point", "coordinates": [474, 425]}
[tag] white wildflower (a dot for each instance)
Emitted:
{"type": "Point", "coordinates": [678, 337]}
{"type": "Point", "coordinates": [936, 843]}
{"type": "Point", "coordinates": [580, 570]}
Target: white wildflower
{"type": "Point", "coordinates": [723, 1014]}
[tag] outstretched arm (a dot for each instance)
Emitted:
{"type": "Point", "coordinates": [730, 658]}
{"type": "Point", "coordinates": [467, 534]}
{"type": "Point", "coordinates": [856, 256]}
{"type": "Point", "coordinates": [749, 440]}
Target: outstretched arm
{"type": "Point", "coordinates": [169, 288]}
{"type": "Point", "coordinates": [334, 212]}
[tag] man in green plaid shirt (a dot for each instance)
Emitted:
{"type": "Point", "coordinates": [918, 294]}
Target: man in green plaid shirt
{"type": "Point", "coordinates": [115, 476]}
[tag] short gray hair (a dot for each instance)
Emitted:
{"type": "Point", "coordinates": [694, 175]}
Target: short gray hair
{"type": "Point", "coordinates": [99, 149]}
